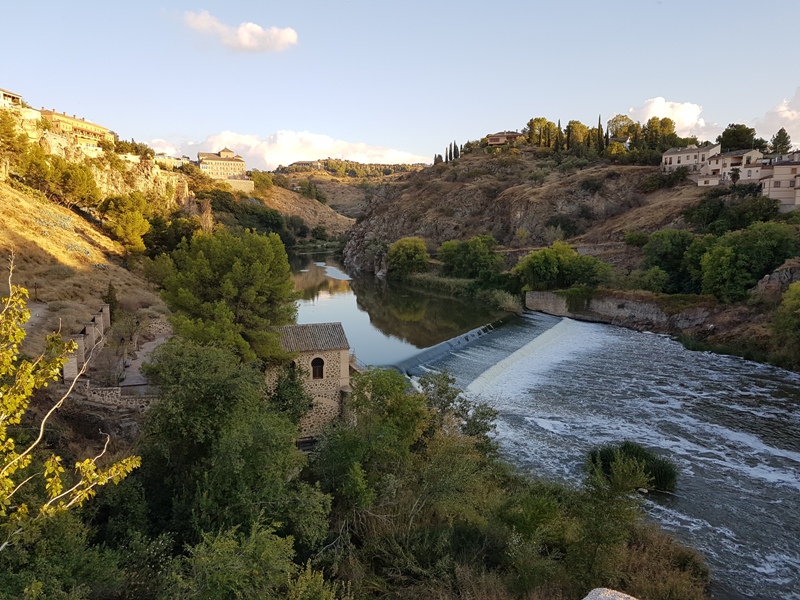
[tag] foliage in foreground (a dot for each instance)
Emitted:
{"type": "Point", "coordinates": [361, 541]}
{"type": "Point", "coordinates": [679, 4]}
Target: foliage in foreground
{"type": "Point", "coordinates": [34, 485]}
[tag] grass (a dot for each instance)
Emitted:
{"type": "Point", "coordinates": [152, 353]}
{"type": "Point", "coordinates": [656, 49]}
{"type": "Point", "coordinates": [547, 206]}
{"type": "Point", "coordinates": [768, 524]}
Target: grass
{"type": "Point", "coordinates": [60, 268]}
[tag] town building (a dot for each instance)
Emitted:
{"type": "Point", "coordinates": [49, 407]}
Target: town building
{"type": "Point", "coordinates": [692, 157]}
{"type": "Point", "coordinates": [224, 164]}
{"type": "Point", "coordinates": [170, 162]}
{"type": "Point", "coordinates": [502, 138]}
{"type": "Point", "coordinates": [10, 99]}
{"type": "Point", "coordinates": [747, 161]}
{"type": "Point", "coordinates": [782, 182]}
{"type": "Point", "coordinates": [85, 132]}
{"type": "Point", "coordinates": [322, 354]}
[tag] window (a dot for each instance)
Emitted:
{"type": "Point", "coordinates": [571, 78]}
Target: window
{"type": "Point", "coordinates": [703, 157]}
{"type": "Point", "coordinates": [794, 171]}
{"type": "Point", "coordinates": [747, 160]}
{"type": "Point", "coordinates": [777, 184]}
{"type": "Point", "coordinates": [749, 173]}
{"type": "Point", "coordinates": [317, 368]}
{"type": "Point", "coordinates": [791, 183]}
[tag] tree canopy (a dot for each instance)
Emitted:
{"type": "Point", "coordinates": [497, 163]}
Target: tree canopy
{"type": "Point", "coordinates": [230, 290]}
{"type": "Point", "coordinates": [740, 137]}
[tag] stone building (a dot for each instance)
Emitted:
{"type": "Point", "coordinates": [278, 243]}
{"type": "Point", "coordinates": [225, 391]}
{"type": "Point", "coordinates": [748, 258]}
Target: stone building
{"type": "Point", "coordinates": [322, 352]}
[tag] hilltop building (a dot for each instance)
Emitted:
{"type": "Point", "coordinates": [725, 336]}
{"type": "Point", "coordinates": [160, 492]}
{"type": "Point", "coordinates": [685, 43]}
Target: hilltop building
{"type": "Point", "coordinates": [10, 99]}
{"type": "Point", "coordinates": [228, 166]}
{"type": "Point", "coordinates": [85, 132]}
{"type": "Point", "coordinates": [322, 353]}
{"type": "Point", "coordinates": [502, 138]}
{"type": "Point", "coordinates": [691, 157]}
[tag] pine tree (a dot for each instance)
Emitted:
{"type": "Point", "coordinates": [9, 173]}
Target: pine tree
{"type": "Point", "coordinates": [781, 143]}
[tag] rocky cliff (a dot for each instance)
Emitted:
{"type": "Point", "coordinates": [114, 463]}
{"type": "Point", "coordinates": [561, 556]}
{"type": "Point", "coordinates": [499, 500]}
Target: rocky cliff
{"type": "Point", "coordinates": [522, 200]}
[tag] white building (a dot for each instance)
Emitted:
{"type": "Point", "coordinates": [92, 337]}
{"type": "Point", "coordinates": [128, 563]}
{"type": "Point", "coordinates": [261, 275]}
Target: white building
{"type": "Point", "coordinates": [782, 182]}
{"type": "Point", "coordinates": [692, 157]}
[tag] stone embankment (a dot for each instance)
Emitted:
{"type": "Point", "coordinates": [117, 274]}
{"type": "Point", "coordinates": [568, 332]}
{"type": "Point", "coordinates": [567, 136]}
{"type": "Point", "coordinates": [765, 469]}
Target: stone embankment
{"type": "Point", "coordinates": [616, 308]}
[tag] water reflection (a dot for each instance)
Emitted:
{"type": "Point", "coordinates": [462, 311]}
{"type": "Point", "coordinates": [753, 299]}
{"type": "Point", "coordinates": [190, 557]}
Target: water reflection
{"type": "Point", "coordinates": [385, 323]}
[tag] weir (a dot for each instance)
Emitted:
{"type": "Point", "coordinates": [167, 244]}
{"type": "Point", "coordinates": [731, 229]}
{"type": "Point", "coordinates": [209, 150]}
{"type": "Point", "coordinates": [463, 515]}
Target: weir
{"type": "Point", "coordinates": [733, 427]}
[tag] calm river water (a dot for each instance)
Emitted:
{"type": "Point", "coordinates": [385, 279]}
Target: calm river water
{"type": "Point", "coordinates": [563, 386]}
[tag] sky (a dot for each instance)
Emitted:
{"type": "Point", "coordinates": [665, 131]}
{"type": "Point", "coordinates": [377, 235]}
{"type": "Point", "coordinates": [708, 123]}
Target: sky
{"type": "Point", "coordinates": [389, 81]}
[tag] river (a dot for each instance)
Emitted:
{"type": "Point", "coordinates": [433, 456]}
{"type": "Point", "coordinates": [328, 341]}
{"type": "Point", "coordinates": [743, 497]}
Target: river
{"type": "Point", "coordinates": [562, 386]}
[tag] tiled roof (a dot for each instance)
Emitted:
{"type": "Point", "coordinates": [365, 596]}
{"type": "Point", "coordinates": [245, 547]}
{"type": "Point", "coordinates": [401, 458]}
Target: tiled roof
{"type": "Point", "coordinates": [313, 337]}
{"type": "Point", "coordinates": [506, 133]}
{"type": "Point", "coordinates": [9, 92]}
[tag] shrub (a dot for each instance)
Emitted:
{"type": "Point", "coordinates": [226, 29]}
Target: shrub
{"type": "Point", "coordinates": [636, 238]}
{"type": "Point", "coordinates": [560, 266]}
{"type": "Point", "coordinates": [407, 255]}
{"type": "Point", "coordinates": [472, 259]}
{"type": "Point", "coordinates": [661, 471]}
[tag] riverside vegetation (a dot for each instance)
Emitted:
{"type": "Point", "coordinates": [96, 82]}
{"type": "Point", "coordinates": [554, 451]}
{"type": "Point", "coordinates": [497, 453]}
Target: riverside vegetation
{"type": "Point", "coordinates": [409, 498]}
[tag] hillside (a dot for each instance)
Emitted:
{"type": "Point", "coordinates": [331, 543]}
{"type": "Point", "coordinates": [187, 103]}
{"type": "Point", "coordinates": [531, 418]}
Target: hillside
{"type": "Point", "coordinates": [313, 212]}
{"type": "Point", "coordinates": [66, 263]}
{"type": "Point", "coordinates": [521, 200]}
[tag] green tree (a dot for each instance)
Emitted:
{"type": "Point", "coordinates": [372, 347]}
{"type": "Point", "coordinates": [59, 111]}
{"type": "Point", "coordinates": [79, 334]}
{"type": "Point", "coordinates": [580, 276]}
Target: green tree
{"type": "Point", "coordinates": [13, 144]}
{"type": "Point", "coordinates": [781, 143]}
{"type": "Point", "coordinates": [78, 186]}
{"type": "Point", "coordinates": [472, 259]}
{"type": "Point", "coordinates": [261, 179]}
{"type": "Point", "coordinates": [229, 291]}
{"type": "Point", "coordinates": [740, 137]}
{"type": "Point", "coordinates": [577, 133]}
{"type": "Point", "coordinates": [128, 222]}
{"type": "Point", "coordinates": [560, 266]}
{"type": "Point", "coordinates": [218, 454]}
{"type": "Point", "coordinates": [740, 258]}
{"type": "Point", "coordinates": [735, 175]}
{"type": "Point", "coordinates": [455, 149]}
{"type": "Point", "coordinates": [786, 325]}
{"type": "Point", "coordinates": [665, 249]}
{"type": "Point", "coordinates": [407, 255]}
{"type": "Point", "coordinates": [22, 469]}
{"type": "Point", "coordinates": [619, 125]}
{"type": "Point", "coordinates": [600, 139]}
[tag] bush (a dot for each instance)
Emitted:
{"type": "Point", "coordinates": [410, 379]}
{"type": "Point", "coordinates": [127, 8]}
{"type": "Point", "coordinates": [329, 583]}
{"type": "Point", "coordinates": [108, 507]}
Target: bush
{"type": "Point", "coordinates": [407, 255]}
{"type": "Point", "coordinates": [661, 471]}
{"type": "Point", "coordinates": [740, 258]}
{"type": "Point", "coordinates": [472, 259]}
{"type": "Point", "coordinates": [636, 238]}
{"type": "Point", "coordinates": [560, 266]}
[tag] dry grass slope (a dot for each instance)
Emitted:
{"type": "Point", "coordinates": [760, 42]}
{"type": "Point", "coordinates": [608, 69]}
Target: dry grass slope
{"type": "Point", "coordinates": [66, 263]}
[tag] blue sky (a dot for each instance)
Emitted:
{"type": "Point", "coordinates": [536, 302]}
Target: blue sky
{"type": "Point", "coordinates": [396, 81]}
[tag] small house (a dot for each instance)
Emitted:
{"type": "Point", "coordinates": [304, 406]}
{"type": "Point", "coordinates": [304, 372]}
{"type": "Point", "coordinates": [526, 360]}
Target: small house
{"type": "Point", "coordinates": [322, 352]}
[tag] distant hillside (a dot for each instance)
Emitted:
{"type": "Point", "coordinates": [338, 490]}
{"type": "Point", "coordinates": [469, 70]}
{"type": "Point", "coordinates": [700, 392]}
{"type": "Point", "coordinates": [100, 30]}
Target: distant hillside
{"type": "Point", "coordinates": [312, 211]}
{"type": "Point", "coordinates": [521, 200]}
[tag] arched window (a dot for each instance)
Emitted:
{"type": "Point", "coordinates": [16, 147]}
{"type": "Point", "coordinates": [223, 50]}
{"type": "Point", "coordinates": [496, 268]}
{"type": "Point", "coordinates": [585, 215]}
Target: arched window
{"type": "Point", "coordinates": [317, 368]}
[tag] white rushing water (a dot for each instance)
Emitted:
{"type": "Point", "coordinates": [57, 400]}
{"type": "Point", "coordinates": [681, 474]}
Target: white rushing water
{"type": "Point", "coordinates": [732, 426]}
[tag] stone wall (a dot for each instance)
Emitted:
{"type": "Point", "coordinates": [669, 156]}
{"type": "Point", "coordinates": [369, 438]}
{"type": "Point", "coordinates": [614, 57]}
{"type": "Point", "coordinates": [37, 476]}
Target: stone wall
{"type": "Point", "coordinates": [328, 392]}
{"type": "Point", "coordinates": [91, 337]}
{"type": "Point", "coordinates": [615, 308]}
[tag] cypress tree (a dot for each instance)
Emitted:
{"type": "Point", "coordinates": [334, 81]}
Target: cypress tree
{"type": "Point", "coordinates": [600, 145]}
{"type": "Point", "coordinates": [455, 149]}
{"type": "Point", "coordinates": [559, 137]}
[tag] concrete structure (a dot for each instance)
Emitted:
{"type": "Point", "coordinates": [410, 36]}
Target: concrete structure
{"type": "Point", "coordinates": [85, 132]}
{"type": "Point", "coordinates": [170, 162]}
{"type": "Point", "coordinates": [747, 161]}
{"type": "Point", "coordinates": [692, 157]}
{"type": "Point", "coordinates": [502, 138]}
{"type": "Point", "coordinates": [782, 182]}
{"type": "Point", "coordinates": [322, 353]}
{"type": "Point", "coordinates": [222, 165]}
{"type": "Point", "coordinates": [10, 99]}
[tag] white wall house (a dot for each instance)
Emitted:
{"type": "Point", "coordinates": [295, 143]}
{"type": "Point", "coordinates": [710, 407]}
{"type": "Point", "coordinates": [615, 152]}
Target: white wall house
{"type": "Point", "coordinates": [782, 182]}
{"type": "Point", "coordinates": [747, 161]}
{"type": "Point", "coordinates": [691, 157]}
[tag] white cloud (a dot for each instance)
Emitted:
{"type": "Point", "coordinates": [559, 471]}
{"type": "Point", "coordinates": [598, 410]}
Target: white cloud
{"type": "Point", "coordinates": [686, 115]}
{"type": "Point", "coordinates": [164, 146]}
{"type": "Point", "coordinates": [286, 147]}
{"type": "Point", "coordinates": [247, 37]}
{"type": "Point", "coordinates": [786, 115]}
